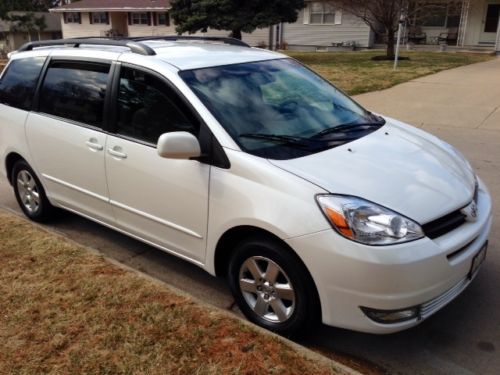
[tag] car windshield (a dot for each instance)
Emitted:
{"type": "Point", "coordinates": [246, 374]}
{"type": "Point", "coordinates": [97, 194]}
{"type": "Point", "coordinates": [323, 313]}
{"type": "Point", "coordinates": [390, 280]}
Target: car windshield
{"type": "Point", "coordinates": [279, 109]}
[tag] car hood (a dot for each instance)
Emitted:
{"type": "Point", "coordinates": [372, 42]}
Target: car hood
{"type": "Point", "coordinates": [397, 166]}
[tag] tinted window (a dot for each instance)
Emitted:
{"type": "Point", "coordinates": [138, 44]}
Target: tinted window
{"type": "Point", "coordinates": [278, 109]}
{"type": "Point", "coordinates": [18, 84]}
{"type": "Point", "coordinates": [147, 108]}
{"type": "Point", "coordinates": [75, 91]}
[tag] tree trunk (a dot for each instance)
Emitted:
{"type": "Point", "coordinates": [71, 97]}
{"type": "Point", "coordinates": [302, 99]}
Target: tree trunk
{"type": "Point", "coordinates": [236, 34]}
{"type": "Point", "coordinates": [390, 43]}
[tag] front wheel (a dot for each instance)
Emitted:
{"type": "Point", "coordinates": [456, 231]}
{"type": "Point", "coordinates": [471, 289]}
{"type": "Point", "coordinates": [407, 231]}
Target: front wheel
{"type": "Point", "coordinates": [272, 287]}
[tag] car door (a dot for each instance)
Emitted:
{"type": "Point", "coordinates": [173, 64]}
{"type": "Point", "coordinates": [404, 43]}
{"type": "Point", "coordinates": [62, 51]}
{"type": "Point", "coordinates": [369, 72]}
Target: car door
{"type": "Point", "coordinates": [66, 139]}
{"type": "Point", "coordinates": [163, 201]}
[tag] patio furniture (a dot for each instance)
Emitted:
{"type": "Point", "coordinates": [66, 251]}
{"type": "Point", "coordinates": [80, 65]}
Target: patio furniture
{"type": "Point", "coordinates": [449, 37]}
{"type": "Point", "coordinates": [416, 35]}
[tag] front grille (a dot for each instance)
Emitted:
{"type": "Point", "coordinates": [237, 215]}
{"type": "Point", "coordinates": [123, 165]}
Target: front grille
{"type": "Point", "coordinates": [447, 223]}
{"type": "Point", "coordinates": [430, 307]}
{"type": "Point", "coordinates": [444, 224]}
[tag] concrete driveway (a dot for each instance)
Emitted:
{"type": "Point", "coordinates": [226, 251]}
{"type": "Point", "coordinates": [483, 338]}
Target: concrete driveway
{"type": "Point", "coordinates": [460, 106]}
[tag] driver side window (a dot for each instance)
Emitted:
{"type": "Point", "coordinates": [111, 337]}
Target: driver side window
{"type": "Point", "coordinates": [147, 108]}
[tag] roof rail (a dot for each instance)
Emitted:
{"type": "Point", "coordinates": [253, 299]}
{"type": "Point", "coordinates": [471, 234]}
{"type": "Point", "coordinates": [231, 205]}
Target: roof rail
{"type": "Point", "coordinates": [174, 38]}
{"type": "Point", "coordinates": [133, 45]}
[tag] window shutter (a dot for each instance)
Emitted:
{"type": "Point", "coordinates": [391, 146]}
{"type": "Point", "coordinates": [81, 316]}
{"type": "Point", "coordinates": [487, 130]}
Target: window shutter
{"type": "Point", "coordinates": [107, 18]}
{"type": "Point", "coordinates": [155, 20]}
{"type": "Point", "coordinates": [91, 18]}
{"type": "Point", "coordinates": [149, 18]}
{"type": "Point", "coordinates": [167, 19]}
{"type": "Point", "coordinates": [338, 17]}
{"type": "Point", "coordinates": [65, 17]}
{"type": "Point", "coordinates": [307, 14]}
{"type": "Point", "coordinates": [129, 18]}
{"type": "Point", "coordinates": [79, 18]}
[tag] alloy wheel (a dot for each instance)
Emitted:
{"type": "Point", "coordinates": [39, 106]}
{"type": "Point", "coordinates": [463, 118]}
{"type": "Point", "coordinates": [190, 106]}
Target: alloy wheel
{"type": "Point", "coordinates": [267, 289]}
{"type": "Point", "coordinates": [28, 191]}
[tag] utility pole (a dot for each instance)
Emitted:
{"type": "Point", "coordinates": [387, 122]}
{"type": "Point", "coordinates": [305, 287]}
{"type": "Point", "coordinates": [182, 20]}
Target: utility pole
{"type": "Point", "coordinates": [398, 43]}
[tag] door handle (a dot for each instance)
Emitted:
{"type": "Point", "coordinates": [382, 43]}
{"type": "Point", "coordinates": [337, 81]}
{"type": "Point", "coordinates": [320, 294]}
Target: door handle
{"type": "Point", "coordinates": [93, 145]}
{"type": "Point", "coordinates": [115, 151]}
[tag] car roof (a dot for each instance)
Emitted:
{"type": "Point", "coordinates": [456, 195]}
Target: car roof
{"type": "Point", "coordinates": [183, 55]}
{"type": "Point", "coordinates": [195, 55]}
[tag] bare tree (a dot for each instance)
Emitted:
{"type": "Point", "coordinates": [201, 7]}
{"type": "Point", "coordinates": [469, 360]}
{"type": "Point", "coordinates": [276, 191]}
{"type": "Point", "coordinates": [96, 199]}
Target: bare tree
{"type": "Point", "coordinates": [40, 25]}
{"type": "Point", "coordinates": [386, 14]}
{"type": "Point", "coordinates": [378, 14]}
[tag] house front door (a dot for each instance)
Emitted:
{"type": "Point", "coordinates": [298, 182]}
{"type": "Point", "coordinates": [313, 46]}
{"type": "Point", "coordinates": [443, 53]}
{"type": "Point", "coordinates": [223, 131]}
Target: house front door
{"type": "Point", "coordinates": [489, 27]}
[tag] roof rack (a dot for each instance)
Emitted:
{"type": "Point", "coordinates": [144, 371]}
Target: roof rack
{"type": "Point", "coordinates": [174, 38]}
{"type": "Point", "coordinates": [133, 45]}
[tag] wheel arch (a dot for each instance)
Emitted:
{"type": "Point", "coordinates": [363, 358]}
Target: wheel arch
{"type": "Point", "coordinates": [228, 241]}
{"type": "Point", "coordinates": [11, 159]}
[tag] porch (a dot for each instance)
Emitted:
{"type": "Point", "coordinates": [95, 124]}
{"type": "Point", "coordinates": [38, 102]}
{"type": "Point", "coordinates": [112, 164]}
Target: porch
{"type": "Point", "coordinates": [461, 24]}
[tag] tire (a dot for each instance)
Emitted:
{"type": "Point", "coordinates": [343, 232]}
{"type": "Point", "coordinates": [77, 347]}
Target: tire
{"type": "Point", "coordinates": [30, 194]}
{"type": "Point", "coordinates": [272, 287]}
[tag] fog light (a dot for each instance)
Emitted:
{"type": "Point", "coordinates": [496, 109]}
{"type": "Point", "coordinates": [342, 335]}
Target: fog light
{"type": "Point", "coordinates": [391, 316]}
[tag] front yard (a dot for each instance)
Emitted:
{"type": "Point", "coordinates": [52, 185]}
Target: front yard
{"type": "Point", "coordinates": [65, 310]}
{"type": "Point", "coordinates": [356, 73]}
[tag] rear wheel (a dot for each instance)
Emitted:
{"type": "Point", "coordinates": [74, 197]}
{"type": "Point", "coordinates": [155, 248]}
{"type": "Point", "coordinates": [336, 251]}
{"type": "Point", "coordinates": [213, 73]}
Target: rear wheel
{"type": "Point", "coordinates": [30, 194]}
{"type": "Point", "coordinates": [272, 287]}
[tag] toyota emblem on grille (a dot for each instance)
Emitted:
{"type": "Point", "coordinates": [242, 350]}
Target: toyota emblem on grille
{"type": "Point", "coordinates": [470, 211]}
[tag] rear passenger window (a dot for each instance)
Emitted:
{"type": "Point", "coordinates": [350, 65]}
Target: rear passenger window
{"type": "Point", "coordinates": [147, 108]}
{"type": "Point", "coordinates": [18, 84]}
{"type": "Point", "coordinates": [75, 91]}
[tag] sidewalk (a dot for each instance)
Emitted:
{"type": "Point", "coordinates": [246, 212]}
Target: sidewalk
{"type": "Point", "coordinates": [466, 97]}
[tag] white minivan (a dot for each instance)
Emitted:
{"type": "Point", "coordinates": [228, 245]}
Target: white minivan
{"type": "Point", "coordinates": [246, 163]}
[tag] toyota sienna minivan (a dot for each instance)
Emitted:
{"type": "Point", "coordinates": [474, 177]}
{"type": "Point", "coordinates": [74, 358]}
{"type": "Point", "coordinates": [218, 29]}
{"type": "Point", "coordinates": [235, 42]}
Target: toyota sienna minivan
{"type": "Point", "coordinates": [248, 164]}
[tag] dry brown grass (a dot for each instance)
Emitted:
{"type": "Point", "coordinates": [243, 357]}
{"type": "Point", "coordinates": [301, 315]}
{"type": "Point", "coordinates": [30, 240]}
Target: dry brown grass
{"type": "Point", "coordinates": [356, 72]}
{"type": "Point", "coordinates": [3, 63]}
{"type": "Point", "coordinates": [66, 310]}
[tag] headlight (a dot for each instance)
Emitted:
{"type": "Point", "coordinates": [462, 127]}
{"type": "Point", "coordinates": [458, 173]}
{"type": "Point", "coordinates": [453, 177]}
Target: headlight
{"type": "Point", "coordinates": [366, 222]}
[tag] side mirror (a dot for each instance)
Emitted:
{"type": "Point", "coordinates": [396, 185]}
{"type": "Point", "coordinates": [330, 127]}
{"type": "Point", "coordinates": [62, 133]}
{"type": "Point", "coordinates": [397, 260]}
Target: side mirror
{"type": "Point", "coordinates": [178, 145]}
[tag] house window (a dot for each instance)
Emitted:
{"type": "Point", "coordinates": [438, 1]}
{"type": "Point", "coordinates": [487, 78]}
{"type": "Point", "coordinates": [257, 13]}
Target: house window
{"type": "Point", "coordinates": [100, 17]}
{"type": "Point", "coordinates": [163, 19]}
{"type": "Point", "coordinates": [72, 18]}
{"type": "Point", "coordinates": [321, 13]}
{"type": "Point", "coordinates": [140, 18]}
{"type": "Point", "coordinates": [439, 14]}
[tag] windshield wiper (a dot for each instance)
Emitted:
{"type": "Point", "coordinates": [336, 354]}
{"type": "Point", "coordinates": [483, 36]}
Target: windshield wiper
{"type": "Point", "coordinates": [348, 128]}
{"type": "Point", "coordinates": [289, 140]}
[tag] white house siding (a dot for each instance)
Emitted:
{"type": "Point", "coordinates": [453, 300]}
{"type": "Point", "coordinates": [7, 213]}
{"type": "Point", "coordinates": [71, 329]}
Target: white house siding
{"type": "Point", "coordinates": [145, 30]}
{"type": "Point", "coordinates": [299, 35]}
{"type": "Point", "coordinates": [258, 37]}
{"type": "Point", "coordinates": [84, 29]}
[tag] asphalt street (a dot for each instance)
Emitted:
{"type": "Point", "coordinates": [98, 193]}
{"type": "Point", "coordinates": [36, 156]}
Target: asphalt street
{"type": "Point", "coordinates": [461, 106]}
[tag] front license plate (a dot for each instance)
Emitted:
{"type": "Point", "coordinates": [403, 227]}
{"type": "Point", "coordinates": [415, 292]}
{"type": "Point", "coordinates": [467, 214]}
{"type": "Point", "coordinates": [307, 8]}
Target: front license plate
{"type": "Point", "coordinates": [478, 260]}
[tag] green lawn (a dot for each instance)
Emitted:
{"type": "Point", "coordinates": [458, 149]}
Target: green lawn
{"type": "Point", "coordinates": [356, 73]}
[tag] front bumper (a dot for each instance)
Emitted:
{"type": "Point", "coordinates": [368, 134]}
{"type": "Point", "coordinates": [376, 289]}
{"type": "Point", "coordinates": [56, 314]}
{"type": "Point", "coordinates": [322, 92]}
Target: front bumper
{"type": "Point", "coordinates": [426, 272]}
